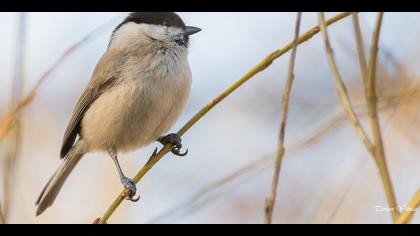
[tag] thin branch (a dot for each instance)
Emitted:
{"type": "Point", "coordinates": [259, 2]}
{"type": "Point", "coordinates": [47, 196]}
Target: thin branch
{"type": "Point", "coordinates": [266, 62]}
{"type": "Point", "coordinates": [271, 199]}
{"type": "Point", "coordinates": [412, 206]}
{"type": "Point", "coordinates": [360, 49]}
{"type": "Point", "coordinates": [341, 88]}
{"type": "Point", "coordinates": [372, 103]}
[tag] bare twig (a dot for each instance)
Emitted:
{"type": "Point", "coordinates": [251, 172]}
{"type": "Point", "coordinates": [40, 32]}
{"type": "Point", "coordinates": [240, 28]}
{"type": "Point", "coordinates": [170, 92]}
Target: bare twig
{"type": "Point", "coordinates": [412, 206]}
{"type": "Point", "coordinates": [266, 62]}
{"type": "Point", "coordinates": [372, 103]}
{"type": "Point", "coordinates": [271, 199]}
{"type": "Point", "coordinates": [341, 88]}
{"type": "Point", "coordinates": [360, 49]}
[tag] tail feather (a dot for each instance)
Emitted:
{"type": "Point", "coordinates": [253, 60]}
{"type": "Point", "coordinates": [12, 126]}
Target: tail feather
{"type": "Point", "coordinates": [54, 185]}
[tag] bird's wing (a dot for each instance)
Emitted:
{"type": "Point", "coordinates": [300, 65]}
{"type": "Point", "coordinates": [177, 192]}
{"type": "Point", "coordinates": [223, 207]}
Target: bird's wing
{"type": "Point", "coordinates": [86, 99]}
{"type": "Point", "coordinates": [103, 78]}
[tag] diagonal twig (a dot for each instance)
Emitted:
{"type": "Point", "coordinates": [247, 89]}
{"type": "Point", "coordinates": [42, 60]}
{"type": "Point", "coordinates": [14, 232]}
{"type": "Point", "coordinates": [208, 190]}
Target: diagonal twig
{"type": "Point", "coordinates": [271, 199]}
{"type": "Point", "coordinates": [341, 88]}
{"type": "Point", "coordinates": [266, 62]}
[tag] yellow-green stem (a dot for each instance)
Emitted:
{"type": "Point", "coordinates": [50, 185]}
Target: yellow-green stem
{"type": "Point", "coordinates": [258, 68]}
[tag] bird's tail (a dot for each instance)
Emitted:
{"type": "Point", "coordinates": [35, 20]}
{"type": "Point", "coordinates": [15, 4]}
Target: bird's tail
{"type": "Point", "coordinates": [53, 187]}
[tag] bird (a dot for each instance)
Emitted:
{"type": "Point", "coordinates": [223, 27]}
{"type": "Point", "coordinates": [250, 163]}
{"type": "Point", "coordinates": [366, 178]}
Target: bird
{"type": "Point", "coordinates": [138, 90]}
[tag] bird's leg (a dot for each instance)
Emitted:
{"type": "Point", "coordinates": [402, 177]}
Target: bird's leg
{"type": "Point", "coordinates": [127, 182]}
{"type": "Point", "coordinates": [175, 140]}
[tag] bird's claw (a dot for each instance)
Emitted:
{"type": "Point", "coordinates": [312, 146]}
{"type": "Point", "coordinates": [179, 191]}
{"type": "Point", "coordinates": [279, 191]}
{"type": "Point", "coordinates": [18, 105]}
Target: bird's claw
{"type": "Point", "coordinates": [133, 199]}
{"type": "Point", "coordinates": [176, 142]}
{"type": "Point", "coordinates": [131, 186]}
{"type": "Point", "coordinates": [177, 151]}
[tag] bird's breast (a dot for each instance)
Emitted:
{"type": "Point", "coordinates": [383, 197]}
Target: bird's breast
{"type": "Point", "coordinates": [140, 108]}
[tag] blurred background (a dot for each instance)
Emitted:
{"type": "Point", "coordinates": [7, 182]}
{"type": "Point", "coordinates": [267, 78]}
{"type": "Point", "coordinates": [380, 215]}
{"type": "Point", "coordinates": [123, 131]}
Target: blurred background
{"type": "Point", "coordinates": [327, 175]}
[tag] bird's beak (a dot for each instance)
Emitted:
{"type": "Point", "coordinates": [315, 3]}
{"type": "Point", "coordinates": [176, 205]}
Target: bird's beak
{"type": "Point", "coordinates": [189, 30]}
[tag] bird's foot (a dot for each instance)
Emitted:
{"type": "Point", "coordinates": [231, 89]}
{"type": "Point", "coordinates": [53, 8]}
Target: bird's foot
{"type": "Point", "coordinates": [131, 185]}
{"type": "Point", "coordinates": [175, 141]}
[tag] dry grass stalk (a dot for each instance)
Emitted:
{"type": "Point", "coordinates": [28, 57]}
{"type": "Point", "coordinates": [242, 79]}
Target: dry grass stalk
{"type": "Point", "coordinates": [372, 104]}
{"type": "Point", "coordinates": [271, 199]}
{"type": "Point", "coordinates": [266, 62]}
{"type": "Point", "coordinates": [360, 49]}
{"type": "Point", "coordinates": [341, 88]}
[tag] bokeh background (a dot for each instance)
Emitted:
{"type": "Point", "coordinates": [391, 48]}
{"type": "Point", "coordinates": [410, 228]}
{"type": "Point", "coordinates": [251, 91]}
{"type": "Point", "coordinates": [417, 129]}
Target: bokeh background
{"type": "Point", "coordinates": [327, 175]}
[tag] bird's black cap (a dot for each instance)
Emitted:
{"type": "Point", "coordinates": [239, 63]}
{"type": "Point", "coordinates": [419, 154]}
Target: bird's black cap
{"type": "Point", "coordinates": [156, 18]}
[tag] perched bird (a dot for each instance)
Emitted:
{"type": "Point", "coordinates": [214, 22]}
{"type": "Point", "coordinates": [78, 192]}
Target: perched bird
{"type": "Point", "coordinates": [138, 90]}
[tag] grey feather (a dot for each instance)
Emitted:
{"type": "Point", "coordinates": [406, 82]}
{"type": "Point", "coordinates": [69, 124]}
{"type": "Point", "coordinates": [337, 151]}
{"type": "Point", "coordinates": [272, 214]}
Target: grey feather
{"type": "Point", "coordinates": [73, 127]}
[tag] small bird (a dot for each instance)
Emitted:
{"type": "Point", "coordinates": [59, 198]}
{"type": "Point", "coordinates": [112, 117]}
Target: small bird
{"type": "Point", "coordinates": [138, 90]}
